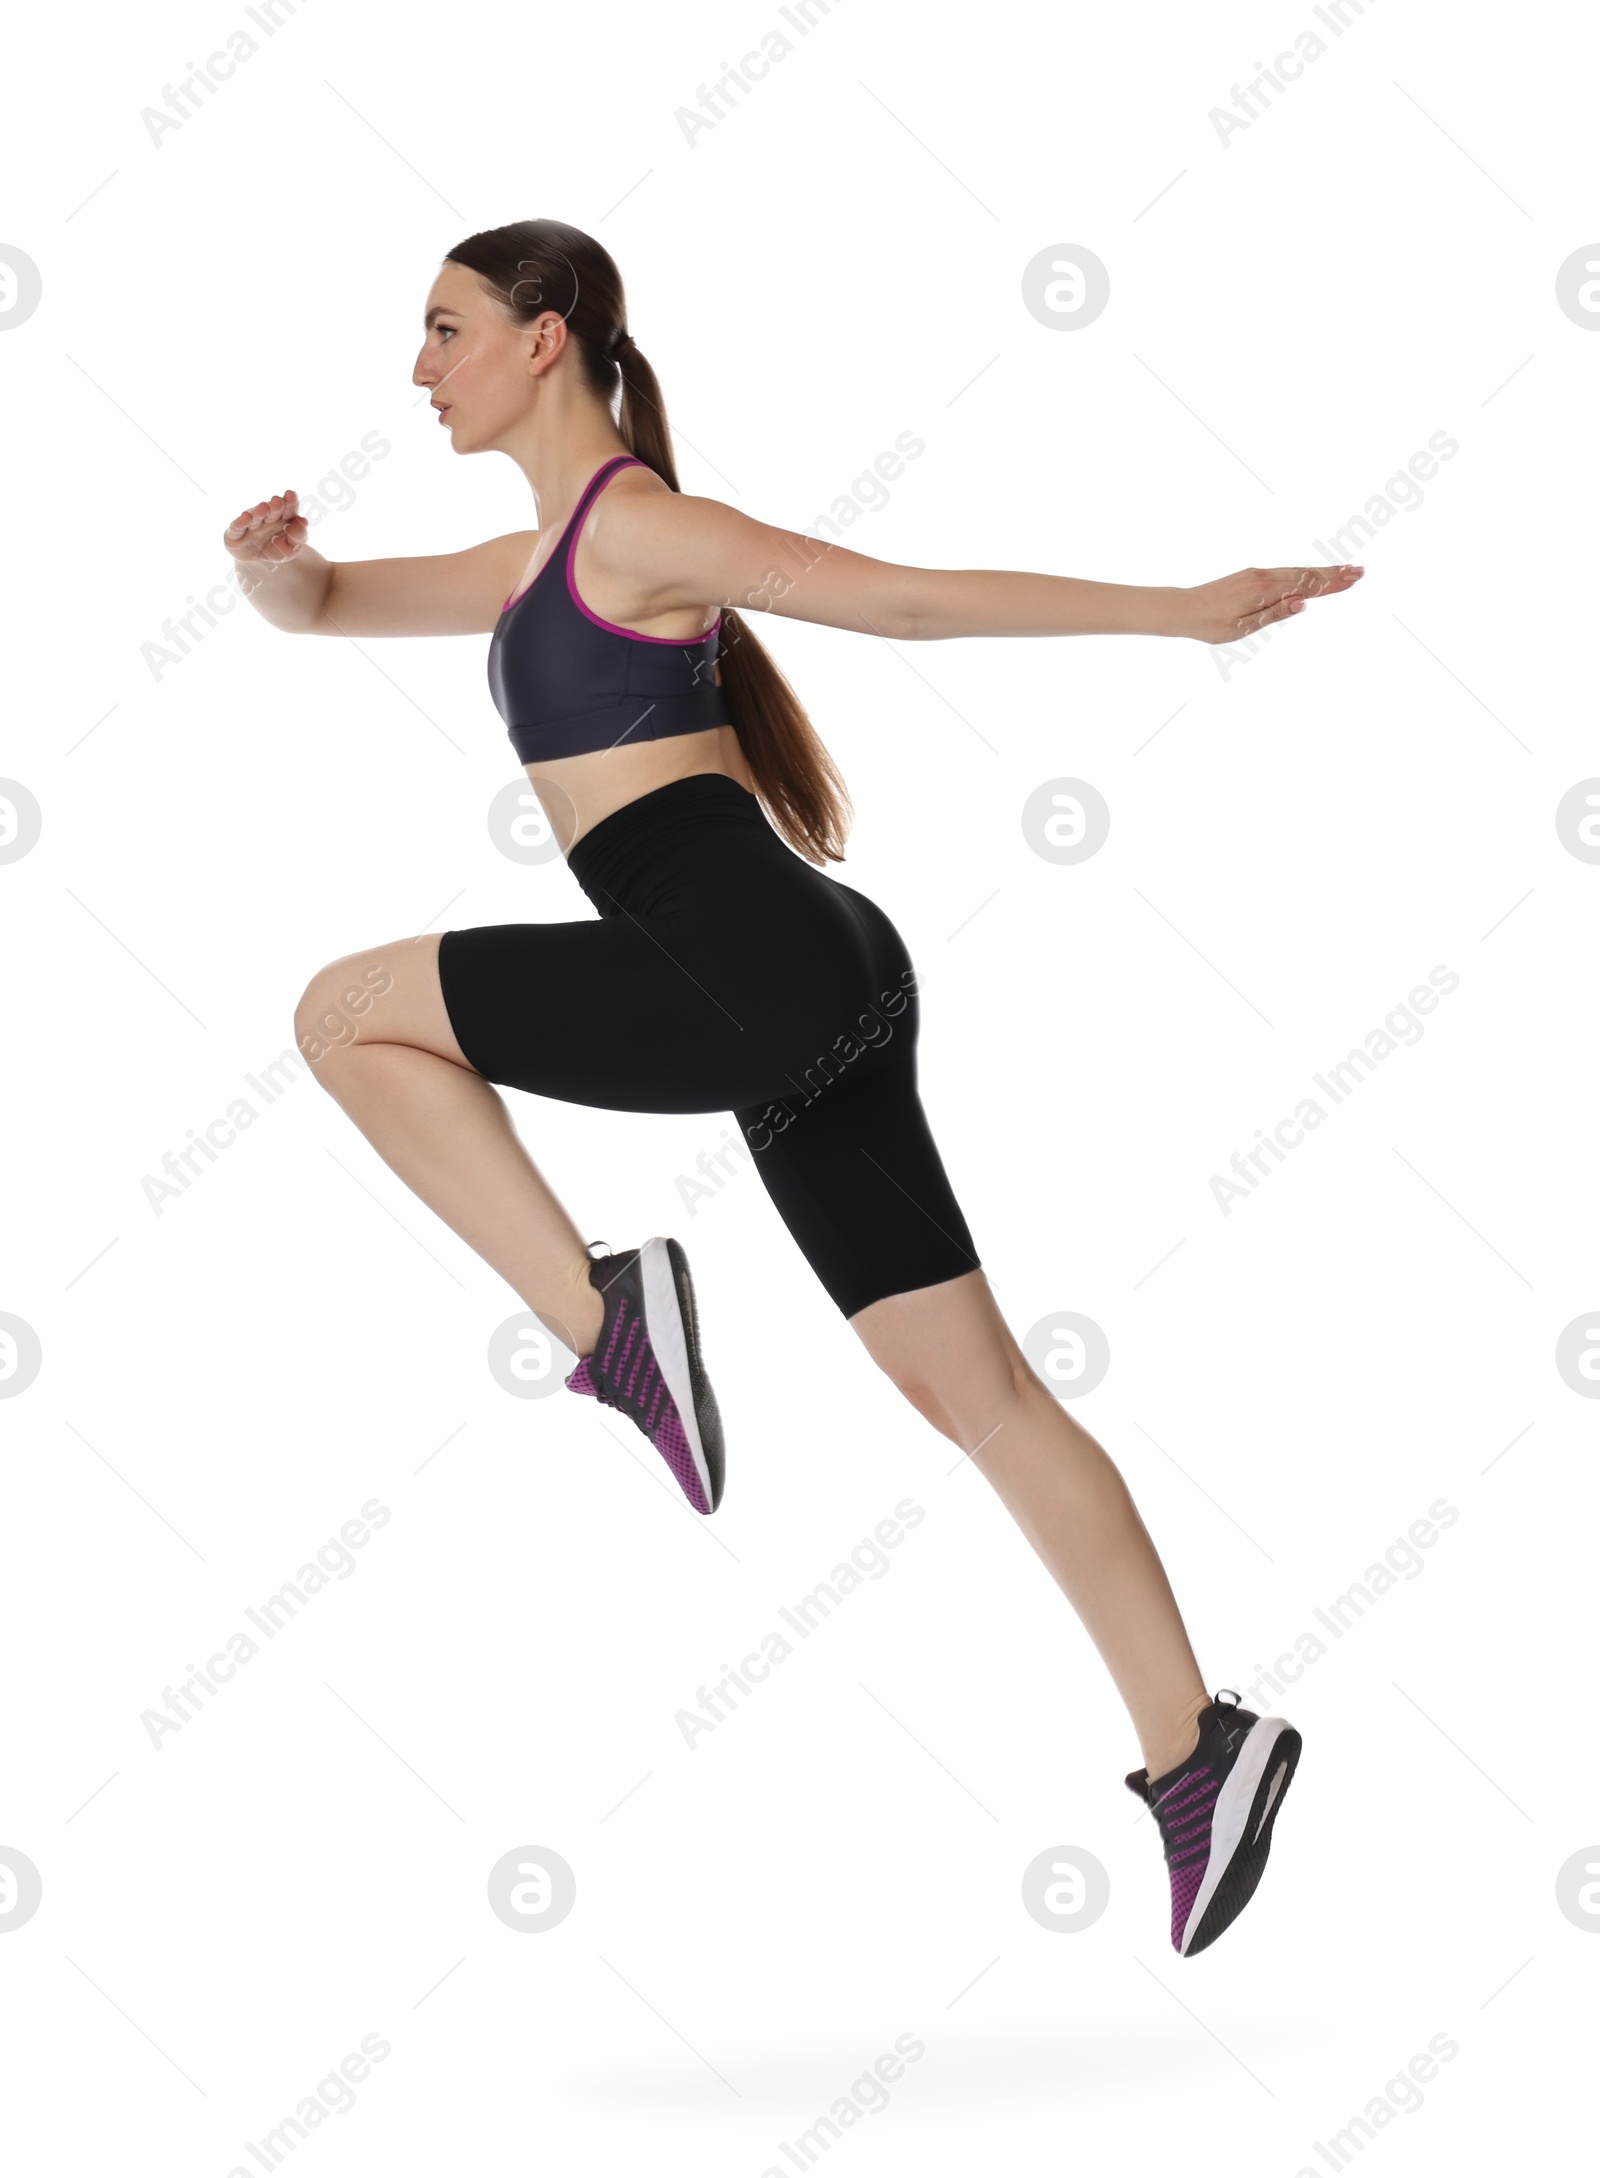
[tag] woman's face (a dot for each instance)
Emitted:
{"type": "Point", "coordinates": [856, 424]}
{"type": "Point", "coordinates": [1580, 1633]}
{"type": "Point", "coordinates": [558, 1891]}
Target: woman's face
{"type": "Point", "coordinates": [476, 363]}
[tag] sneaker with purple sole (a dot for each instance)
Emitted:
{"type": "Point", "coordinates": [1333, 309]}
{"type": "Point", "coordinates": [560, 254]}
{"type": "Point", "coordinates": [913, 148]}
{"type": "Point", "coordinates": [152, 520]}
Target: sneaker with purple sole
{"type": "Point", "coordinates": [1215, 1813]}
{"type": "Point", "coordinates": [646, 1363]}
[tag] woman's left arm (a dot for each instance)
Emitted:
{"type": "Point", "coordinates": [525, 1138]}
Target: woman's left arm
{"type": "Point", "coordinates": [984, 601]}
{"type": "Point", "coordinates": [683, 551]}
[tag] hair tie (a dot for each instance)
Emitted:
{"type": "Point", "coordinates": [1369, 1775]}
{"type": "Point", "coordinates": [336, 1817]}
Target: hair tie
{"type": "Point", "coordinates": [616, 340]}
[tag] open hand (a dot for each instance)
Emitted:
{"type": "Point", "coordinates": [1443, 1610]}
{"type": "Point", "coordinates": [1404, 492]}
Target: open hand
{"type": "Point", "coordinates": [1237, 605]}
{"type": "Point", "coordinates": [273, 531]}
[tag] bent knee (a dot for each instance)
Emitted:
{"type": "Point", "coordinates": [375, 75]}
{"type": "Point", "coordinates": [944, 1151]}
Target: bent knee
{"type": "Point", "coordinates": [335, 1004]}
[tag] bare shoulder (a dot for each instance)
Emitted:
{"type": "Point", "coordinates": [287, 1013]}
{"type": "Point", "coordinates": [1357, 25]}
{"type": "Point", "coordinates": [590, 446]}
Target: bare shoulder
{"type": "Point", "coordinates": [446, 593]}
{"type": "Point", "coordinates": [643, 532]}
{"type": "Point", "coordinates": [675, 549]}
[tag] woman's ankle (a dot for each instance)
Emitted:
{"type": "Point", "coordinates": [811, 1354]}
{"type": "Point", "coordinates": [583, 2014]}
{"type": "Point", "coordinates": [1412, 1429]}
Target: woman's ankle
{"type": "Point", "coordinates": [579, 1319]}
{"type": "Point", "coordinates": [1171, 1746]}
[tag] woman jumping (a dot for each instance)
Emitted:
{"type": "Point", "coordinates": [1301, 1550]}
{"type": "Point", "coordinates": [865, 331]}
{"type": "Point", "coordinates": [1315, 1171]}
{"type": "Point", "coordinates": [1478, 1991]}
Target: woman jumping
{"type": "Point", "coordinates": [727, 972]}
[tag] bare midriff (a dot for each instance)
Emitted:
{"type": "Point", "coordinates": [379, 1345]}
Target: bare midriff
{"type": "Point", "coordinates": [576, 792]}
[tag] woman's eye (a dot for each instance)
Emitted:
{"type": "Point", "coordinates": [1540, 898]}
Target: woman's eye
{"type": "Point", "coordinates": [445, 331]}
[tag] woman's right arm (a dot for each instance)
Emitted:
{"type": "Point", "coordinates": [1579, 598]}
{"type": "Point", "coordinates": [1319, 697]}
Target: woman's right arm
{"type": "Point", "coordinates": [290, 583]}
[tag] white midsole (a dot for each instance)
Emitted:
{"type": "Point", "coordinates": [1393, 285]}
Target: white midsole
{"type": "Point", "coordinates": [1232, 1812]}
{"type": "Point", "coordinates": [663, 1320]}
{"type": "Point", "coordinates": [1272, 1793]}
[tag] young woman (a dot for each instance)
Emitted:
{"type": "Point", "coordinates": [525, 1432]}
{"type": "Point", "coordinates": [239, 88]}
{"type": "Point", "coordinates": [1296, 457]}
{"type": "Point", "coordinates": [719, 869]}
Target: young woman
{"type": "Point", "coordinates": [726, 970]}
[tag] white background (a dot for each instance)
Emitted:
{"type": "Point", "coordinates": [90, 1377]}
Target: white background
{"type": "Point", "coordinates": [1297, 837]}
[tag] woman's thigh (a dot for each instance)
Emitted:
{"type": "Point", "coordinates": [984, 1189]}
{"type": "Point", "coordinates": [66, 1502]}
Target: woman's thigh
{"type": "Point", "coordinates": [596, 1013]}
{"type": "Point", "coordinates": [626, 1013]}
{"type": "Point", "coordinates": [854, 1172]}
{"type": "Point", "coordinates": [606, 1013]}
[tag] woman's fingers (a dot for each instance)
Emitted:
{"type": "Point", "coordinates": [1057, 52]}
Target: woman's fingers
{"type": "Point", "coordinates": [284, 543]}
{"type": "Point", "coordinates": [1281, 611]}
{"type": "Point", "coordinates": [259, 528]}
{"type": "Point", "coordinates": [242, 525]}
{"type": "Point", "coordinates": [1314, 581]}
{"type": "Point", "coordinates": [1266, 585]}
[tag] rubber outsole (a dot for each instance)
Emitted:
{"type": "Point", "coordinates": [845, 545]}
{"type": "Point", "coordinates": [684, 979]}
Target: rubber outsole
{"type": "Point", "coordinates": [706, 1413]}
{"type": "Point", "coordinates": [1237, 1884]}
{"type": "Point", "coordinates": [668, 1332]}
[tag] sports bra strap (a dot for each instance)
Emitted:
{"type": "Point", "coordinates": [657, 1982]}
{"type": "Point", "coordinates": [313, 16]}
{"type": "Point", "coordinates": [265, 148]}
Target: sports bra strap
{"type": "Point", "coordinates": [591, 492]}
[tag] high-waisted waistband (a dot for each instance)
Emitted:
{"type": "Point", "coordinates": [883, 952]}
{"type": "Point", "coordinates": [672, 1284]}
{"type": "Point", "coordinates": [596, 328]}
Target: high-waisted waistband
{"type": "Point", "coordinates": [685, 815]}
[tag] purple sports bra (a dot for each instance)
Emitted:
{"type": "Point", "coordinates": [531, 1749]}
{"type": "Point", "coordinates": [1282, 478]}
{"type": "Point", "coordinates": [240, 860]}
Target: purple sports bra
{"type": "Point", "coordinates": [567, 682]}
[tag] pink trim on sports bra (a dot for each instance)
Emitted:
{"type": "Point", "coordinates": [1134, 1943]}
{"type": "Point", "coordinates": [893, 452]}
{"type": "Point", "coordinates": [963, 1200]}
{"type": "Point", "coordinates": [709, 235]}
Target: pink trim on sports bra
{"type": "Point", "coordinates": [623, 461]}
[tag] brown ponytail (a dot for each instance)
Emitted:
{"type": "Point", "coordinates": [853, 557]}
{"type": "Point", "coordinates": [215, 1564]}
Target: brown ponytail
{"type": "Point", "coordinates": [535, 265]}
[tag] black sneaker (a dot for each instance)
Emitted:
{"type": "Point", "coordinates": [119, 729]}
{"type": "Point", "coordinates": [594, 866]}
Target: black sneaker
{"type": "Point", "coordinates": [1215, 1812]}
{"type": "Point", "coordinates": [646, 1363]}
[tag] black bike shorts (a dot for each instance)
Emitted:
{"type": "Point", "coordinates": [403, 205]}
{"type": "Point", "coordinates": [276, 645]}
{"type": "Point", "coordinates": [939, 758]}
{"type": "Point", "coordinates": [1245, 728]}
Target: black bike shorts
{"type": "Point", "coordinates": [727, 974]}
